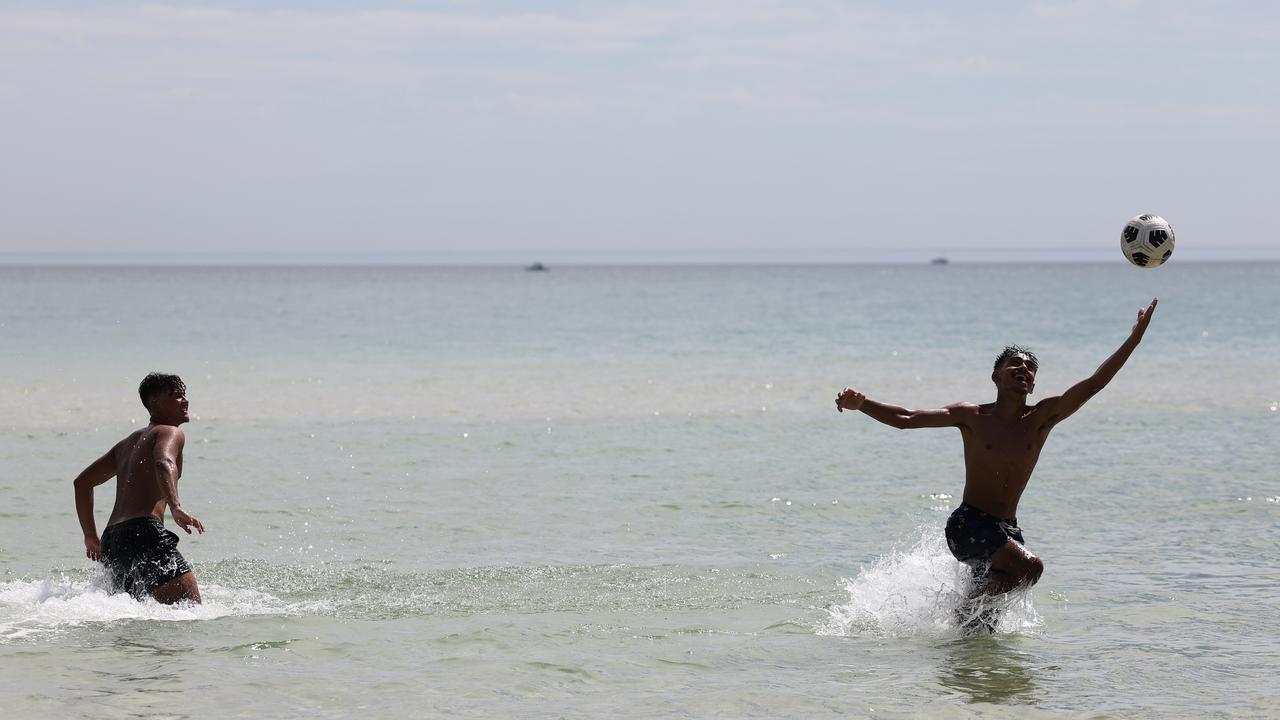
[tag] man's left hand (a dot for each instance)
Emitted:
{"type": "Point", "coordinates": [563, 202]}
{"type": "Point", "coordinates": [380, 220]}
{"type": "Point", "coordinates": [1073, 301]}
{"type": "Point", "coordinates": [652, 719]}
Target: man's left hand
{"type": "Point", "coordinates": [1144, 319]}
{"type": "Point", "coordinates": [186, 521]}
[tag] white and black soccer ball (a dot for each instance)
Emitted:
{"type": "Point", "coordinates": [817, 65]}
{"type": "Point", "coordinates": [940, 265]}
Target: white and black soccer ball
{"type": "Point", "coordinates": [1147, 241]}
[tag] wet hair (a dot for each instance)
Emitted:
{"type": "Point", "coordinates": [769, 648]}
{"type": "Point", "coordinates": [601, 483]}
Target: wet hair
{"type": "Point", "coordinates": [157, 383]}
{"type": "Point", "coordinates": [1011, 350]}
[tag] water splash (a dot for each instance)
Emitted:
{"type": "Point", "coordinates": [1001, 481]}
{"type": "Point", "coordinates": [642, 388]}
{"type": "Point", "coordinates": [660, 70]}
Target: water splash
{"type": "Point", "coordinates": [64, 601]}
{"type": "Point", "coordinates": [923, 591]}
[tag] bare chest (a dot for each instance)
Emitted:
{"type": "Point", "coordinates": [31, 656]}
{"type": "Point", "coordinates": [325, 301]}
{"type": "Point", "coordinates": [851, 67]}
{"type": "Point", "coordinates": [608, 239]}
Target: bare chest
{"type": "Point", "coordinates": [999, 438]}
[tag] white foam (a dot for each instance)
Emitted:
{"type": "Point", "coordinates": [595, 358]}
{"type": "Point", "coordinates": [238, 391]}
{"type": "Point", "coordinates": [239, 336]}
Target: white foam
{"type": "Point", "coordinates": [60, 602]}
{"type": "Point", "coordinates": [920, 591]}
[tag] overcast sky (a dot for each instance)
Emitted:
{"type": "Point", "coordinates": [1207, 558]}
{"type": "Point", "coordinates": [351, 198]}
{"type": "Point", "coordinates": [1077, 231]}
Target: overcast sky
{"type": "Point", "coordinates": [734, 126]}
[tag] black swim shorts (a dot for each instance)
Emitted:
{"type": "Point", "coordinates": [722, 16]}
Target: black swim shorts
{"type": "Point", "coordinates": [974, 536]}
{"type": "Point", "coordinates": [141, 556]}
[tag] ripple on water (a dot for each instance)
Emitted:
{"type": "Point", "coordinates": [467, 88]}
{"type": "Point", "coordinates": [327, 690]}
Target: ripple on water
{"type": "Point", "coordinates": [378, 590]}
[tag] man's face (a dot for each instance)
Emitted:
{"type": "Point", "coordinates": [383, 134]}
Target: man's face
{"type": "Point", "coordinates": [170, 407]}
{"type": "Point", "coordinates": [1017, 373]}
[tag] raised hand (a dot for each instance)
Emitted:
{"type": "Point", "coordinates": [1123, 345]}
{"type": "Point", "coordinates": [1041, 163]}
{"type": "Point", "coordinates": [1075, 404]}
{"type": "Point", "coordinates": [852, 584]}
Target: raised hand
{"type": "Point", "coordinates": [1144, 319]}
{"type": "Point", "coordinates": [849, 399]}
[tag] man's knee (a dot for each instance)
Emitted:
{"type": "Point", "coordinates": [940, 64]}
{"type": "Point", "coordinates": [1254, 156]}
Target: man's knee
{"type": "Point", "coordinates": [1019, 565]}
{"type": "Point", "coordinates": [1034, 569]}
{"type": "Point", "coordinates": [181, 588]}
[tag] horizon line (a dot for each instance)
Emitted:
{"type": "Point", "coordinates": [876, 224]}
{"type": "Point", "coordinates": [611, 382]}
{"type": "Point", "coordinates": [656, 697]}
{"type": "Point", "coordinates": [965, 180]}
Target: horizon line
{"type": "Point", "coordinates": [570, 258]}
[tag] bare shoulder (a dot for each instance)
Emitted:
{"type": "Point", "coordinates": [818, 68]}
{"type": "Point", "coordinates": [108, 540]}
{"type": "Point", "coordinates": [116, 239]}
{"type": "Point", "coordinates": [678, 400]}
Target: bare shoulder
{"type": "Point", "coordinates": [963, 413]}
{"type": "Point", "coordinates": [1048, 404]}
{"type": "Point", "coordinates": [168, 433]}
{"type": "Point", "coordinates": [964, 409]}
{"type": "Point", "coordinates": [128, 441]}
{"type": "Point", "coordinates": [1049, 408]}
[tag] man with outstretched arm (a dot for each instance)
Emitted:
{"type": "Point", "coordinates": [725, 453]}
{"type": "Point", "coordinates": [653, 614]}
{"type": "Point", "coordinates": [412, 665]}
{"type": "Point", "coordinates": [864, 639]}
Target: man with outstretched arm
{"type": "Point", "coordinates": [141, 556]}
{"type": "Point", "coordinates": [1002, 441]}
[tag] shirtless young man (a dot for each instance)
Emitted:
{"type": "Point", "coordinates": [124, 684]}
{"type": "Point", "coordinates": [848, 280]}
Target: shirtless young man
{"type": "Point", "coordinates": [1002, 441]}
{"type": "Point", "coordinates": [140, 554]}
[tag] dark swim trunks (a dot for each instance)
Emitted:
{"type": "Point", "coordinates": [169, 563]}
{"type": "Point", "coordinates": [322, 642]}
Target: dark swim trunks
{"type": "Point", "coordinates": [974, 536]}
{"type": "Point", "coordinates": [141, 556]}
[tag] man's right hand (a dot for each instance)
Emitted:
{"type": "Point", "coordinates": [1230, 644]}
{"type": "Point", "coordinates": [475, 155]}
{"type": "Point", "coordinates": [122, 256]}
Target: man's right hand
{"type": "Point", "coordinates": [849, 399]}
{"type": "Point", "coordinates": [186, 521]}
{"type": "Point", "coordinates": [93, 548]}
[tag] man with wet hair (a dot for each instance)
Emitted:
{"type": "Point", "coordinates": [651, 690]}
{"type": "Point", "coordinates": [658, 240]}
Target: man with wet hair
{"type": "Point", "coordinates": [1002, 442]}
{"type": "Point", "coordinates": [1011, 350]}
{"type": "Point", "coordinates": [140, 554]}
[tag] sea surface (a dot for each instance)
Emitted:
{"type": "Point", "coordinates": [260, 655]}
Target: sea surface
{"type": "Point", "coordinates": [624, 492]}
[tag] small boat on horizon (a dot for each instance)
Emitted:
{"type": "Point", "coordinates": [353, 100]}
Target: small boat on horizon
{"type": "Point", "coordinates": [535, 267]}
{"type": "Point", "coordinates": [939, 261]}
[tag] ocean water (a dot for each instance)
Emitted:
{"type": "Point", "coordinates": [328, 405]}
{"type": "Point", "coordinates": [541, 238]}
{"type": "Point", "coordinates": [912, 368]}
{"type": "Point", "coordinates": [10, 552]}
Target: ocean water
{"type": "Point", "coordinates": [625, 492]}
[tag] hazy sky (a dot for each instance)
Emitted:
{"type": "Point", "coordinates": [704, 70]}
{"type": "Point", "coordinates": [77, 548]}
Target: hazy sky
{"type": "Point", "coordinates": [735, 125]}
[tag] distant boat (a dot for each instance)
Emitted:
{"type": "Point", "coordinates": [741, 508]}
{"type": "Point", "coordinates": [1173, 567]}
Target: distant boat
{"type": "Point", "coordinates": [939, 261]}
{"type": "Point", "coordinates": [536, 267]}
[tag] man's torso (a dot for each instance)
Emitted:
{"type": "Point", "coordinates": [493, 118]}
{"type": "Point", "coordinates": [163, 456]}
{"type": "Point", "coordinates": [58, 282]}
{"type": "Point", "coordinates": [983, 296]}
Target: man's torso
{"type": "Point", "coordinates": [138, 492]}
{"type": "Point", "coordinates": [1000, 454]}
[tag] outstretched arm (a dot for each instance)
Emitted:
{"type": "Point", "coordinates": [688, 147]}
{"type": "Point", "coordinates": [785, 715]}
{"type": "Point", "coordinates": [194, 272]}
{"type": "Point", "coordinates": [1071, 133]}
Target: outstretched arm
{"type": "Point", "coordinates": [100, 471]}
{"type": "Point", "coordinates": [900, 417]}
{"type": "Point", "coordinates": [1078, 394]}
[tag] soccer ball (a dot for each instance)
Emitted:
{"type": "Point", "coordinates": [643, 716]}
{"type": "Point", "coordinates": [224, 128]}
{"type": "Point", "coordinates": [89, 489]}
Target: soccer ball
{"type": "Point", "coordinates": [1147, 240]}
